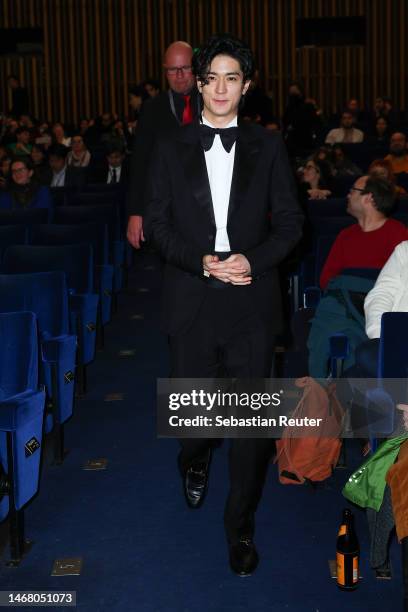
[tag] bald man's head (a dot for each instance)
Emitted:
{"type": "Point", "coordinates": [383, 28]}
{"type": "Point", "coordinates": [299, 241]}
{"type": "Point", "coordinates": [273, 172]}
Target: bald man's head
{"type": "Point", "coordinates": [177, 64]}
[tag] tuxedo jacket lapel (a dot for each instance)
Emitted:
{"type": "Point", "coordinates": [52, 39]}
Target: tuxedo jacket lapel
{"type": "Point", "coordinates": [247, 150]}
{"type": "Point", "coordinates": [191, 154]}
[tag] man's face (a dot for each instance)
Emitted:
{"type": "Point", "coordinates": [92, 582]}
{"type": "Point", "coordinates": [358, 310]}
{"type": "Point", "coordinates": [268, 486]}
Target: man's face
{"type": "Point", "coordinates": [178, 70]}
{"type": "Point", "coordinates": [24, 137]}
{"type": "Point", "coordinates": [151, 90]}
{"type": "Point", "coordinates": [77, 144]}
{"type": "Point", "coordinates": [347, 121]}
{"type": "Point", "coordinates": [354, 198]}
{"type": "Point", "coordinates": [353, 105]}
{"type": "Point", "coordinates": [381, 126]}
{"type": "Point", "coordinates": [135, 102]}
{"type": "Point", "coordinates": [398, 144]}
{"type": "Point", "coordinates": [106, 119]}
{"type": "Point", "coordinates": [56, 163]}
{"type": "Point", "coordinates": [115, 159]}
{"type": "Point", "coordinates": [223, 91]}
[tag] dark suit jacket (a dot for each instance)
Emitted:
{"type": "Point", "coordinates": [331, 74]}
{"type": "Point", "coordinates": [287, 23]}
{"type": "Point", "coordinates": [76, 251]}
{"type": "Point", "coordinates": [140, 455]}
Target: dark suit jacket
{"type": "Point", "coordinates": [74, 177]}
{"type": "Point", "coordinates": [98, 173]}
{"type": "Point", "coordinates": [264, 219]}
{"type": "Point", "coordinates": [156, 120]}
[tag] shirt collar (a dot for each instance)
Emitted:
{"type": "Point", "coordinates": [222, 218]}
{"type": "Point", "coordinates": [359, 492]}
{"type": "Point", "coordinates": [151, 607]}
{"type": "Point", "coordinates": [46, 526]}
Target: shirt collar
{"type": "Point", "coordinates": [232, 123]}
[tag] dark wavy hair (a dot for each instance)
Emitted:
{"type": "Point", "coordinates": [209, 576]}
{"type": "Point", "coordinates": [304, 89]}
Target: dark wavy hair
{"type": "Point", "coordinates": [383, 192]}
{"type": "Point", "coordinates": [223, 44]}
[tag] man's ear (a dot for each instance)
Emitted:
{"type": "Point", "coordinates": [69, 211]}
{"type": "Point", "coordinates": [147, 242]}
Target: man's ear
{"type": "Point", "coordinates": [245, 88]}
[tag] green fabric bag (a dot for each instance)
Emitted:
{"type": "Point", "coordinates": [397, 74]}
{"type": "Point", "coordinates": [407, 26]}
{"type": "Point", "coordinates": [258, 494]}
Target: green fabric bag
{"type": "Point", "coordinates": [366, 486]}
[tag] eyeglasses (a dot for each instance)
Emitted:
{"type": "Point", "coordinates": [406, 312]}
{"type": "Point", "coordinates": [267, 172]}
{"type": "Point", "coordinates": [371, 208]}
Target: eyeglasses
{"type": "Point", "coordinates": [357, 189]}
{"type": "Point", "coordinates": [311, 167]}
{"type": "Point", "coordinates": [19, 170]}
{"type": "Point", "coordinates": [176, 69]}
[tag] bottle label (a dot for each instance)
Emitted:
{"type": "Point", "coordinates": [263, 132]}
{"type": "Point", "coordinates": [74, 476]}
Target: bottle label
{"type": "Point", "coordinates": [341, 578]}
{"type": "Point", "coordinates": [355, 570]}
{"type": "Point", "coordinates": [342, 530]}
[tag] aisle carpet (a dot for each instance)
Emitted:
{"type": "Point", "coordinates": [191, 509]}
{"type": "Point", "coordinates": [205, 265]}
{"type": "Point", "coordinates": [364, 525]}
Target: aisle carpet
{"type": "Point", "coordinates": [142, 549]}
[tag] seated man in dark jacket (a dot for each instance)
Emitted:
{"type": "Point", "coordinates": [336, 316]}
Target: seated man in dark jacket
{"type": "Point", "coordinates": [113, 170]}
{"type": "Point", "coordinates": [60, 174]}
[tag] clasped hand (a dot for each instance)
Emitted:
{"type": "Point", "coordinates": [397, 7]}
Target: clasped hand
{"type": "Point", "coordinates": [235, 270]}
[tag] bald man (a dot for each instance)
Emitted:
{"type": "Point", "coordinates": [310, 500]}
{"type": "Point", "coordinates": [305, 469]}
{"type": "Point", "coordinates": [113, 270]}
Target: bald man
{"type": "Point", "coordinates": [162, 115]}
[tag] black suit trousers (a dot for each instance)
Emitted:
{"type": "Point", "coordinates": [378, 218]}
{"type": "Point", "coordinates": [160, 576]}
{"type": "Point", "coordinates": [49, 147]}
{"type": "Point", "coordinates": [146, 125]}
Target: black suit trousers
{"type": "Point", "coordinates": [228, 338]}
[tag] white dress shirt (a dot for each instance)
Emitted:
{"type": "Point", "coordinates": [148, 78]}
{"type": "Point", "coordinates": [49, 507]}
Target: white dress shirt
{"type": "Point", "coordinates": [220, 165]}
{"type": "Point", "coordinates": [58, 178]}
{"type": "Point", "coordinates": [118, 173]}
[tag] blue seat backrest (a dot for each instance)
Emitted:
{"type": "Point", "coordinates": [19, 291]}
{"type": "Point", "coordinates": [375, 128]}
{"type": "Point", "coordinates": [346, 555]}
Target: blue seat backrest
{"type": "Point", "coordinates": [24, 217]}
{"type": "Point", "coordinates": [76, 260]}
{"type": "Point", "coordinates": [10, 235]}
{"type": "Point", "coordinates": [44, 293]}
{"type": "Point", "coordinates": [18, 353]}
{"type": "Point", "coordinates": [105, 213]}
{"type": "Point", "coordinates": [95, 234]}
{"type": "Point", "coordinates": [393, 358]}
{"type": "Point", "coordinates": [335, 207]}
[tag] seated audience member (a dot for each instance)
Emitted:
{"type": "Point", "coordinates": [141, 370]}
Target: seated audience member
{"type": "Point", "coordinates": [346, 133]}
{"type": "Point", "coordinates": [151, 88]}
{"type": "Point", "coordinates": [9, 136]}
{"type": "Point", "coordinates": [342, 165]}
{"type": "Point", "coordinates": [273, 126]}
{"type": "Point", "coordinates": [44, 136]}
{"type": "Point", "coordinates": [114, 170]}
{"type": "Point", "coordinates": [315, 180]}
{"type": "Point", "coordinates": [369, 242]}
{"type": "Point", "coordinates": [23, 191]}
{"type": "Point", "coordinates": [300, 121]}
{"type": "Point", "coordinates": [398, 155]}
{"type": "Point", "coordinates": [389, 294]}
{"type": "Point", "coordinates": [379, 138]}
{"type": "Point", "coordinates": [79, 156]}
{"type": "Point", "coordinates": [359, 116]}
{"type": "Point", "coordinates": [257, 106]}
{"type": "Point", "coordinates": [60, 174]}
{"type": "Point", "coordinates": [22, 146]}
{"type": "Point", "coordinates": [59, 136]}
{"type": "Point", "coordinates": [5, 174]}
{"type": "Point", "coordinates": [40, 166]}
{"type": "Point", "coordinates": [383, 169]}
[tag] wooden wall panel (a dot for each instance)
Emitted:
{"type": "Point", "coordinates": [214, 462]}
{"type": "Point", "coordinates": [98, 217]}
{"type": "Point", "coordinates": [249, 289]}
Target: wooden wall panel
{"type": "Point", "coordinates": [95, 49]}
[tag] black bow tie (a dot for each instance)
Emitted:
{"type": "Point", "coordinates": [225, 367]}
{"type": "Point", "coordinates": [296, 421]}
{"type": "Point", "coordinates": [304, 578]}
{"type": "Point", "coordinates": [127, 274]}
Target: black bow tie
{"type": "Point", "coordinates": [228, 136]}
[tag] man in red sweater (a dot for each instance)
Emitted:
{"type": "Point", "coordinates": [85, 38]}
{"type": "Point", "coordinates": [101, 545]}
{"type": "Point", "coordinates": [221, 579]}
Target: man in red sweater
{"type": "Point", "coordinates": [370, 242]}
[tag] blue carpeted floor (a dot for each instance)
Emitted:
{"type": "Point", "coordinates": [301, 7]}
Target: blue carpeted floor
{"type": "Point", "coordinates": [142, 549]}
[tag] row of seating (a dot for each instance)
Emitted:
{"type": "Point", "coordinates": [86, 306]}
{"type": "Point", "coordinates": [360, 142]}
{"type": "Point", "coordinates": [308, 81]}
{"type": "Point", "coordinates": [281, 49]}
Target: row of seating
{"type": "Point", "coordinates": [62, 280]}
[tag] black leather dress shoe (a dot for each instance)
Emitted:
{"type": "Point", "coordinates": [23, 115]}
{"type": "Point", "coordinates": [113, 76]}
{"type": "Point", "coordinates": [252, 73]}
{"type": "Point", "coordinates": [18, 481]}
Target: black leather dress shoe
{"type": "Point", "coordinates": [195, 482]}
{"type": "Point", "coordinates": [243, 557]}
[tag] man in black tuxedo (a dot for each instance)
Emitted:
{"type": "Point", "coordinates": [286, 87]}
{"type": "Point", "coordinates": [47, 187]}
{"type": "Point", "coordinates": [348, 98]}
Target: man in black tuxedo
{"type": "Point", "coordinates": [223, 213]}
{"type": "Point", "coordinates": [160, 116]}
{"type": "Point", "coordinates": [114, 170]}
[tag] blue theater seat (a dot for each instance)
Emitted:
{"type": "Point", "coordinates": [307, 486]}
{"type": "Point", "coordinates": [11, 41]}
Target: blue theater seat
{"type": "Point", "coordinates": [21, 421]}
{"type": "Point", "coordinates": [46, 294]}
{"type": "Point", "coordinates": [27, 217]}
{"type": "Point", "coordinates": [96, 235]}
{"type": "Point", "coordinates": [11, 235]}
{"type": "Point", "coordinates": [109, 214]}
{"type": "Point", "coordinates": [392, 383]}
{"type": "Point", "coordinates": [76, 261]}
